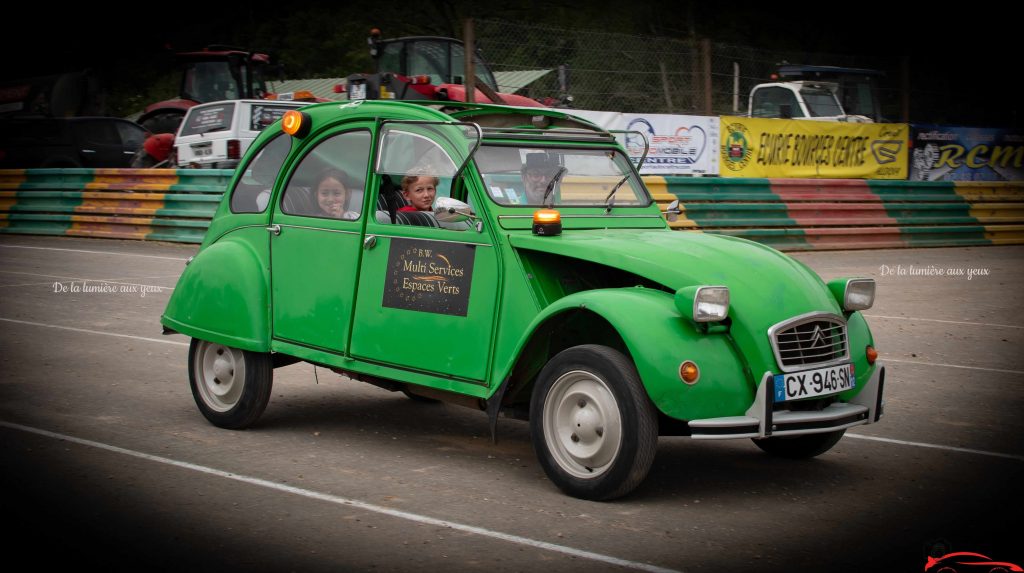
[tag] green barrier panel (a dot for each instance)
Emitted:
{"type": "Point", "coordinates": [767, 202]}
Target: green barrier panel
{"type": "Point", "coordinates": [156, 204]}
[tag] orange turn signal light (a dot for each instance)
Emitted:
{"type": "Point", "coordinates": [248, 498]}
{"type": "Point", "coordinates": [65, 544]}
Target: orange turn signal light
{"type": "Point", "coordinates": [547, 222]}
{"type": "Point", "coordinates": [872, 354]}
{"type": "Point", "coordinates": [295, 123]}
{"type": "Point", "coordinates": [689, 372]}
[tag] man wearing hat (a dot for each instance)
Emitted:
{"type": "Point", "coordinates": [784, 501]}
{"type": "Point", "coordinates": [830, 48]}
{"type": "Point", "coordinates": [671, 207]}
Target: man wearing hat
{"type": "Point", "coordinates": [538, 171]}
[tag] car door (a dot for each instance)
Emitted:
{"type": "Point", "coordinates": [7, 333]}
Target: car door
{"type": "Point", "coordinates": [99, 143]}
{"type": "Point", "coordinates": [315, 247]}
{"type": "Point", "coordinates": [132, 137]}
{"type": "Point", "coordinates": [427, 294]}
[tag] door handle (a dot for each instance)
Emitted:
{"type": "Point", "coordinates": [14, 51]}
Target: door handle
{"type": "Point", "coordinates": [369, 242]}
{"type": "Point", "coordinates": [275, 229]}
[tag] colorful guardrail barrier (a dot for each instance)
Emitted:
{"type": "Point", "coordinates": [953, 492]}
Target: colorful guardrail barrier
{"type": "Point", "coordinates": [788, 214]}
{"type": "Point", "coordinates": [152, 204]}
{"type": "Point", "coordinates": [821, 214]}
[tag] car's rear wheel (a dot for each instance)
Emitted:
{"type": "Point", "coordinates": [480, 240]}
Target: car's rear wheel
{"type": "Point", "coordinates": [230, 386]}
{"type": "Point", "coordinates": [592, 425]}
{"type": "Point", "coordinates": [800, 447]}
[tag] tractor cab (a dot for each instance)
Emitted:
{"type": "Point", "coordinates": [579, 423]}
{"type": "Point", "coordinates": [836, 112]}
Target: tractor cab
{"type": "Point", "coordinates": [442, 60]}
{"type": "Point", "coordinates": [219, 75]}
{"type": "Point", "coordinates": [426, 68]}
{"type": "Point", "coordinates": [214, 74]}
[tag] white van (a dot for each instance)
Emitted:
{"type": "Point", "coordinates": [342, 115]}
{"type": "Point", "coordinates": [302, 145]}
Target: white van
{"type": "Point", "coordinates": [215, 135]}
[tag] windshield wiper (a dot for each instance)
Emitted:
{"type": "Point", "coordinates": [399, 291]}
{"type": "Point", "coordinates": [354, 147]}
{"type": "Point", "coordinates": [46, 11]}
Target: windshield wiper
{"type": "Point", "coordinates": [551, 186]}
{"type": "Point", "coordinates": [610, 199]}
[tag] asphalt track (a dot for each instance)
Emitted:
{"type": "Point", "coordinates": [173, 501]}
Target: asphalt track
{"type": "Point", "coordinates": [105, 460]}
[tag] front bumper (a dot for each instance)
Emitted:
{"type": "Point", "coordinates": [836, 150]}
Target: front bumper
{"type": "Point", "coordinates": [761, 420]}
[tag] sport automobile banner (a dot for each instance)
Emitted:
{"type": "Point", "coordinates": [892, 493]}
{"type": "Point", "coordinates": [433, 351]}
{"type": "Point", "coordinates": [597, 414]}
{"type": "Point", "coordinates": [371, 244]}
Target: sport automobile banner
{"type": "Point", "coordinates": [943, 153]}
{"type": "Point", "coordinates": [787, 148]}
{"type": "Point", "coordinates": [678, 144]}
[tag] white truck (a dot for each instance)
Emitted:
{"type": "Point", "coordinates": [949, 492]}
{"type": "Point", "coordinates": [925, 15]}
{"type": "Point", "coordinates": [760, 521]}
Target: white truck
{"type": "Point", "coordinates": [814, 100]}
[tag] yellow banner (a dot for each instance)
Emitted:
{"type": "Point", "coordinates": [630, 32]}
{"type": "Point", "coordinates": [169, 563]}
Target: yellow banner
{"type": "Point", "coordinates": [813, 149]}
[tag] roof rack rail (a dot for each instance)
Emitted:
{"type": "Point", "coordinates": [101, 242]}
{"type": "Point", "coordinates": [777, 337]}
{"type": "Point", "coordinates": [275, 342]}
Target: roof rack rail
{"type": "Point", "coordinates": [544, 134]}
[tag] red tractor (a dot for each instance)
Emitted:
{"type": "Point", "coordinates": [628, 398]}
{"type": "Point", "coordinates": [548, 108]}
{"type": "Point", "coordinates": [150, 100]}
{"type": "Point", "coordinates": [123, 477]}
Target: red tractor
{"type": "Point", "coordinates": [426, 67]}
{"type": "Point", "coordinates": [214, 74]}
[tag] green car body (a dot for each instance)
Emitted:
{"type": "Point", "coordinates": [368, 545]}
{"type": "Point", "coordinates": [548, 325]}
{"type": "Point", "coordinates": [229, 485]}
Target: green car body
{"type": "Point", "coordinates": [489, 310]}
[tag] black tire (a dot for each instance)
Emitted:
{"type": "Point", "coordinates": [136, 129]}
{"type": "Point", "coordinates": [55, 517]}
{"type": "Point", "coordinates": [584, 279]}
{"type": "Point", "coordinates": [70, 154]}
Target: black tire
{"type": "Point", "coordinates": [800, 447]}
{"type": "Point", "coordinates": [593, 427]}
{"type": "Point", "coordinates": [142, 160]}
{"type": "Point", "coordinates": [164, 122]}
{"type": "Point", "coordinates": [230, 386]}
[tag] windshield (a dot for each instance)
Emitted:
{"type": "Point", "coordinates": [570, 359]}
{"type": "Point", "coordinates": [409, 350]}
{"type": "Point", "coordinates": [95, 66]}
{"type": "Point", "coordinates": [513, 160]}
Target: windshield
{"type": "Point", "coordinates": [209, 81]}
{"type": "Point", "coordinates": [571, 177]}
{"type": "Point", "coordinates": [821, 102]}
{"type": "Point", "coordinates": [443, 60]}
{"type": "Point", "coordinates": [858, 98]}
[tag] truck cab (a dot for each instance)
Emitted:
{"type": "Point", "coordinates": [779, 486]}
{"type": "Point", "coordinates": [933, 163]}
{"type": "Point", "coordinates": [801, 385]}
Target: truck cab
{"type": "Point", "coordinates": [812, 100]}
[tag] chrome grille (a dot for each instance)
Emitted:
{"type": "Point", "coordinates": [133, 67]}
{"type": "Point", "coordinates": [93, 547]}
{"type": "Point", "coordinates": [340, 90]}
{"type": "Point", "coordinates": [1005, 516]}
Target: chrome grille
{"type": "Point", "coordinates": [810, 340]}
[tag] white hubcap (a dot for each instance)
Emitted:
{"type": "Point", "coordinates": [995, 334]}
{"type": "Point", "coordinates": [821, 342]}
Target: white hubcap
{"type": "Point", "coordinates": [582, 427]}
{"type": "Point", "coordinates": [220, 375]}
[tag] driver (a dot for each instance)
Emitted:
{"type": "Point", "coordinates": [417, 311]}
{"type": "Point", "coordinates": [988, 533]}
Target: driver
{"type": "Point", "coordinates": [538, 170]}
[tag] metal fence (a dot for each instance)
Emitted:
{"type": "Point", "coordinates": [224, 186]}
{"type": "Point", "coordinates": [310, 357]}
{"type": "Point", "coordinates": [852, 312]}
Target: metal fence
{"type": "Point", "coordinates": [603, 70]}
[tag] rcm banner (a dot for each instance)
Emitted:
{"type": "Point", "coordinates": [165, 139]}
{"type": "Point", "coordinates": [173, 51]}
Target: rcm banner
{"type": "Point", "coordinates": [944, 153]}
{"type": "Point", "coordinates": [786, 148]}
{"type": "Point", "coordinates": [679, 144]}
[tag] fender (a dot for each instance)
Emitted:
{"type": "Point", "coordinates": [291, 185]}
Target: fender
{"type": "Point", "coordinates": [177, 105]}
{"type": "Point", "coordinates": [659, 339]}
{"type": "Point", "coordinates": [859, 337]}
{"type": "Point", "coordinates": [222, 294]}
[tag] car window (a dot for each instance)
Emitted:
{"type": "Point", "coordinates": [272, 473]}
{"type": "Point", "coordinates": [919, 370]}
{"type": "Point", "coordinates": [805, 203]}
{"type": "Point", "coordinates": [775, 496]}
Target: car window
{"type": "Point", "coordinates": [769, 102]}
{"type": "Point", "coordinates": [208, 119]}
{"type": "Point", "coordinates": [532, 177]}
{"type": "Point", "coordinates": [96, 132]}
{"type": "Point", "coordinates": [329, 180]}
{"type": "Point", "coordinates": [820, 102]}
{"type": "Point", "coordinates": [132, 136]}
{"type": "Point", "coordinates": [252, 192]}
{"type": "Point", "coordinates": [265, 114]}
{"type": "Point", "coordinates": [416, 170]}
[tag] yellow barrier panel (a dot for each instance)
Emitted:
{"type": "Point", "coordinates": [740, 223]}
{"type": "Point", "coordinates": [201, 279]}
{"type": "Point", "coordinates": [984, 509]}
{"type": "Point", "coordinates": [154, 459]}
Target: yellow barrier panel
{"type": "Point", "coordinates": [785, 148]}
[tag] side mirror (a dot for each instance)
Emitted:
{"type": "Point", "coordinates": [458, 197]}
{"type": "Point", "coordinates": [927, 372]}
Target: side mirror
{"type": "Point", "coordinates": [672, 211]}
{"type": "Point", "coordinates": [448, 210]}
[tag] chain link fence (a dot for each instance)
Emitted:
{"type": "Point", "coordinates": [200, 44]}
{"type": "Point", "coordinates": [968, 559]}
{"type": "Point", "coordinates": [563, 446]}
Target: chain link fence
{"type": "Point", "coordinates": [600, 70]}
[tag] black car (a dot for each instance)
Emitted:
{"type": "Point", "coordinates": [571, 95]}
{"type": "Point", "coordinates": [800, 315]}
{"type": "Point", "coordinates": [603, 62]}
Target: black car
{"type": "Point", "coordinates": [68, 142]}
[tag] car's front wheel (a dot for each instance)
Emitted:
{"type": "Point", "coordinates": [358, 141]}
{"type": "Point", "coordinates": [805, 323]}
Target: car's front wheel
{"type": "Point", "coordinates": [800, 447]}
{"type": "Point", "coordinates": [592, 425]}
{"type": "Point", "coordinates": [230, 386]}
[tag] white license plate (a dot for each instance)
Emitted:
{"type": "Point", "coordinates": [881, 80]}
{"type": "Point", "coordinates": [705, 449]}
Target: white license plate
{"type": "Point", "coordinates": [202, 151]}
{"type": "Point", "coordinates": [814, 383]}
